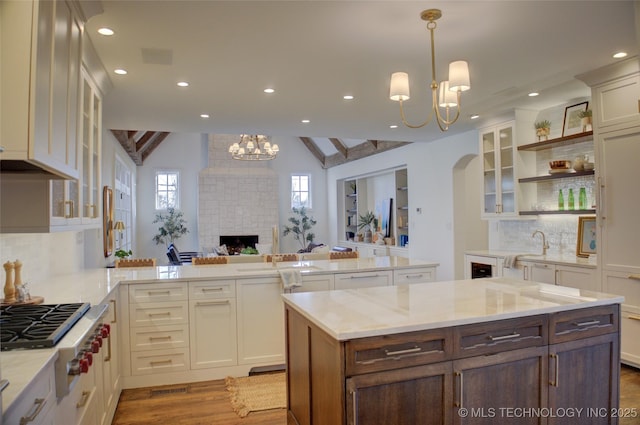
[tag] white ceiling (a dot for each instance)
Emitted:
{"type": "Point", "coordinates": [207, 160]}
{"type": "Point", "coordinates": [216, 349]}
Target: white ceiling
{"type": "Point", "coordinates": [314, 52]}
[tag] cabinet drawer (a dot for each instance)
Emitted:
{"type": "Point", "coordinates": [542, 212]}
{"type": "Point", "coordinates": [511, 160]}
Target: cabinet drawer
{"type": "Point", "coordinates": [396, 351]}
{"type": "Point", "coordinates": [159, 337]}
{"type": "Point", "coordinates": [363, 279]}
{"type": "Point", "coordinates": [154, 292]}
{"type": "Point", "coordinates": [426, 274]}
{"type": "Point", "coordinates": [584, 323]}
{"type": "Point", "coordinates": [503, 335]}
{"type": "Point", "coordinates": [212, 290]}
{"type": "Point", "coordinates": [36, 401]}
{"type": "Point", "coordinates": [629, 331]}
{"type": "Point", "coordinates": [161, 361]}
{"type": "Point", "coordinates": [625, 284]}
{"type": "Point", "coordinates": [151, 314]}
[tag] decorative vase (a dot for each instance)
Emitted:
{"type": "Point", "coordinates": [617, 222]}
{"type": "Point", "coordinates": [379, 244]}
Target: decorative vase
{"type": "Point", "coordinates": [543, 132]}
{"type": "Point", "coordinates": [367, 236]}
{"type": "Point", "coordinates": [586, 124]}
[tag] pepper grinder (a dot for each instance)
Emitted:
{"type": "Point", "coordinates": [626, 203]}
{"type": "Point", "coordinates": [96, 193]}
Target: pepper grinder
{"type": "Point", "coordinates": [17, 281]}
{"type": "Point", "coordinates": [9, 288]}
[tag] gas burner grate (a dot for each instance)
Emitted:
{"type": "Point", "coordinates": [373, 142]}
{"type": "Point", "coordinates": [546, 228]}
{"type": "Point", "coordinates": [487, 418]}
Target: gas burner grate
{"type": "Point", "coordinates": [37, 326]}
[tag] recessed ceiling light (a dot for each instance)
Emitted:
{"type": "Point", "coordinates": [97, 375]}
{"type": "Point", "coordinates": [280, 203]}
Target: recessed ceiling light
{"type": "Point", "coordinates": [183, 84]}
{"type": "Point", "coordinates": [393, 126]}
{"type": "Point", "coordinates": [269, 90]}
{"type": "Point", "coordinates": [533, 94]}
{"type": "Point", "coordinates": [347, 97]}
{"type": "Point", "coordinates": [620, 55]}
{"type": "Point", "coordinates": [120, 71]}
{"type": "Point", "coordinates": [105, 31]}
{"type": "Point", "coordinates": [474, 116]}
{"type": "Point", "coordinates": [305, 121]}
{"type": "Point", "coordinates": [204, 116]}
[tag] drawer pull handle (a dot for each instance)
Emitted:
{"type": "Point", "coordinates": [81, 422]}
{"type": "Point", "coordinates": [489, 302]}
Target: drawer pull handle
{"type": "Point", "coordinates": [159, 292]}
{"type": "Point", "coordinates": [39, 403]}
{"type": "Point", "coordinates": [413, 276]}
{"type": "Point", "coordinates": [159, 338]}
{"type": "Point", "coordinates": [354, 402]}
{"type": "Point", "coordinates": [503, 337]}
{"type": "Point", "coordinates": [160, 362]}
{"type": "Point", "coordinates": [218, 289]}
{"type": "Point", "coordinates": [364, 277]}
{"type": "Point", "coordinates": [633, 317]}
{"type": "Point", "coordinates": [165, 313]}
{"type": "Point", "coordinates": [83, 399]}
{"type": "Point", "coordinates": [556, 359]}
{"type": "Point", "coordinates": [634, 276]}
{"type": "Point", "coordinates": [115, 312]}
{"type": "Point", "coordinates": [401, 352]}
{"type": "Point", "coordinates": [589, 323]}
{"type": "Point", "coordinates": [221, 302]}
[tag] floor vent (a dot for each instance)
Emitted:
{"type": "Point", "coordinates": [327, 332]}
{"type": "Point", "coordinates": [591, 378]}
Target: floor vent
{"type": "Point", "coordinates": [155, 393]}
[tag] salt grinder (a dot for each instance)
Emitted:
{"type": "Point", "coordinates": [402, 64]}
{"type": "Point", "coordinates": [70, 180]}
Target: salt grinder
{"type": "Point", "coordinates": [9, 288]}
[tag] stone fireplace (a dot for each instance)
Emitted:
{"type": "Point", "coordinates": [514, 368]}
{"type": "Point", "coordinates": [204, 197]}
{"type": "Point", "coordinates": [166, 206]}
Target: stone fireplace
{"type": "Point", "coordinates": [235, 197]}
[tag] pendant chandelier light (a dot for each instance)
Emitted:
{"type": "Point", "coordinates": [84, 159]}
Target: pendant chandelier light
{"type": "Point", "coordinates": [253, 147]}
{"type": "Point", "coordinates": [448, 97]}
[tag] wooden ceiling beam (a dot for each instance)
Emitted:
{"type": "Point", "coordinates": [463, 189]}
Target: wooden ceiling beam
{"type": "Point", "coordinates": [362, 150]}
{"type": "Point", "coordinates": [139, 150]}
{"type": "Point", "coordinates": [159, 137]}
{"type": "Point", "coordinates": [313, 148]}
{"type": "Point", "coordinates": [341, 147]}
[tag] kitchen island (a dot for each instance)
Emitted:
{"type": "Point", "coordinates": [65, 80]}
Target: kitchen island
{"type": "Point", "coordinates": [190, 332]}
{"type": "Point", "coordinates": [473, 351]}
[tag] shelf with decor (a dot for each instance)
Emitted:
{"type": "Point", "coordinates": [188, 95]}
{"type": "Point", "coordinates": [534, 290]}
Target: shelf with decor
{"type": "Point", "coordinates": [544, 184]}
{"type": "Point", "coordinates": [401, 220]}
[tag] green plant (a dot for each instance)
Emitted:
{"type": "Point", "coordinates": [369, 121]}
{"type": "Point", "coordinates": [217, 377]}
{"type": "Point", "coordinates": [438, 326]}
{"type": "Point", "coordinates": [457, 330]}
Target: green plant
{"type": "Point", "coordinates": [173, 226]}
{"type": "Point", "coordinates": [121, 253]}
{"type": "Point", "coordinates": [366, 220]}
{"type": "Point", "coordinates": [585, 114]}
{"type": "Point", "coordinates": [301, 225]}
{"type": "Point", "coordinates": [542, 124]}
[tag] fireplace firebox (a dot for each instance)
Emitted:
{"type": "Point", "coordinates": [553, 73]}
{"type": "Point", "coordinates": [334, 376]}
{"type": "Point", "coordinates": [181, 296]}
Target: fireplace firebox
{"type": "Point", "coordinates": [235, 243]}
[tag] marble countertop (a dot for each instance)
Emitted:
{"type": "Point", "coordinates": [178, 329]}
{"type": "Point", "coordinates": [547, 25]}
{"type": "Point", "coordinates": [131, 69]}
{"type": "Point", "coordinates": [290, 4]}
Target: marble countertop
{"type": "Point", "coordinates": [359, 313]}
{"type": "Point", "coordinates": [555, 258]}
{"type": "Point", "coordinates": [95, 285]}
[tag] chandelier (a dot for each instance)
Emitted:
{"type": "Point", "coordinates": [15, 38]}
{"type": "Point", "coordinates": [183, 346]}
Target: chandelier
{"type": "Point", "coordinates": [253, 147]}
{"type": "Point", "coordinates": [448, 96]}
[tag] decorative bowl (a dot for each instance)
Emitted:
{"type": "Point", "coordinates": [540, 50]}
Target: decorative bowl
{"type": "Point", "coordinates": [561, 164]}
{"type": "Point", "coordinates": [588, 166]}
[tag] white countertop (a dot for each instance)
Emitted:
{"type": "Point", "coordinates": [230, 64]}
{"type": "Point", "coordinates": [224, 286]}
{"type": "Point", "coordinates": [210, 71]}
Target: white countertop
{"type": "Point", "coordinates": [94, 285]}
{"type": "Point", "coordinates": [555, 258]}
{"type": "Point", "coordinates": [359, 313]}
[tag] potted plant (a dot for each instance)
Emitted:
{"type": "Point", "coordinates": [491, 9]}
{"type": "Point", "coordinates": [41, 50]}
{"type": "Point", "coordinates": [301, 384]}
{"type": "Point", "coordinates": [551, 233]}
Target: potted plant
{"type": "Point", "coordinates": [585, 119]}
{"type": "Point", "coordinates": [367, 222]}
{"type": "Point", "coordinates": [543, 128]}
{"type": "Point", "coordinates": [121, 253]}
{"type": "Point", "coordinates": [173, 226]}
{"type": "Point", "coordinates": [301, 225]}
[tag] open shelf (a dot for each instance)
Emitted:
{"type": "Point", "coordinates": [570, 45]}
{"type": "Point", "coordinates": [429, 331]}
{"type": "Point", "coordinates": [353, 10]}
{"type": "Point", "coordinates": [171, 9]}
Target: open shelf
{"type": "Point", "coordinates": [557, 142]}
{"type": "Point", "coordinates": [555, 176]}
{"type": "Point", "coordinates": [558, 212]}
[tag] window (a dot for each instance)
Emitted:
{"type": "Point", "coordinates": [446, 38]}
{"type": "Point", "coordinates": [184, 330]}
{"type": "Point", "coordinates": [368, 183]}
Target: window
{"type": "Point", "coordinates": [167, 193]}
{"type": "Point", "coordinates": [300, 191]}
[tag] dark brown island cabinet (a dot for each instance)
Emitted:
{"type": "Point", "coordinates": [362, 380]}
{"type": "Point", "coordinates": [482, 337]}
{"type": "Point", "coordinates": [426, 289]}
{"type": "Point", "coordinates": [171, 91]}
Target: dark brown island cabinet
{"type": "Point", "coordinates": [554, 368]}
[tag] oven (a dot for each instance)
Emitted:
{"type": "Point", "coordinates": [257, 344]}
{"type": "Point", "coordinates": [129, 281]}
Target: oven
{"type": "Point", "coordinates": [76, 330]}
{"type": "Point", "coordinates": [478, 267]}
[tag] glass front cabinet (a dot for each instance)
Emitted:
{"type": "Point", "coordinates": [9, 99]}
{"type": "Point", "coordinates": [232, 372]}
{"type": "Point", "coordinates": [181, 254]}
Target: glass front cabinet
{"type": "Point", "coordinates": [498, 158]}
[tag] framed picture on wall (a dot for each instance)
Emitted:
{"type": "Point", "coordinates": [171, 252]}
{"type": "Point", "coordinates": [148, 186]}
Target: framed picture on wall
{"type": "Point", "coordinates": [572, 122]}
{"type": "Point", "coordinates": [586, 236]}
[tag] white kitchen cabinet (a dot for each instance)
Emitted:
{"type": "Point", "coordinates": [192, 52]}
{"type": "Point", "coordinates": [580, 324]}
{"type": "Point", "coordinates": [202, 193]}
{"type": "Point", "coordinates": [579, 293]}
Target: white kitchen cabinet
{"type": "Point", "coordinates": [37, 404]}
{"type": "Point", "coordinates": [40, 80]}
{"type": "Point", "coordinates": [312, 283]}
{"type": "Point", "coordinates": [540, 272]}
{"type": "Point", "coordinates": [90, 146]}
{"type": "Point", "coordinates": [497, 148]}
{"type": "Point", "coordinates": [417, 275]}
{"type": "Point", "coordinates": [79, 406]}
{"type": "Point", "coordinates": [260, 318]}
{"type": "Point", "coordinates": [212, 324]}
{"type": "Point", "coordinates": [561, 274]}
{"type": "Point", "coordinates": [630, 343]}
{"type": "Point", "coordinates": [111, 375]}
{"type": "Point", "coordinates": [363, 279]}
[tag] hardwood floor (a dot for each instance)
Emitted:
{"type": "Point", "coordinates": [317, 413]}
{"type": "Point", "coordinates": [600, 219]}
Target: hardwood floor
{"type": "Point", "coordinates": [208, 403]}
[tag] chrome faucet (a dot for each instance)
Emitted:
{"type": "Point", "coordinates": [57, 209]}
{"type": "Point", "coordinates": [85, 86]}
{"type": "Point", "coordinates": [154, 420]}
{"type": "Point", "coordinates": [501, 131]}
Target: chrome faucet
{"type": "Point", "coordinates": [545, 245]}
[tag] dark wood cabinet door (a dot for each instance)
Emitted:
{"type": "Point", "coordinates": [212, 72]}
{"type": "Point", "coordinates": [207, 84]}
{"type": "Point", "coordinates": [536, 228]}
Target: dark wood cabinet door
{"type": "Point", "coordinates": [585, 379]}
{"type": "Point", "coordinates": [490, 389]}
{"type": "Point", "coordinates": [418, 395]}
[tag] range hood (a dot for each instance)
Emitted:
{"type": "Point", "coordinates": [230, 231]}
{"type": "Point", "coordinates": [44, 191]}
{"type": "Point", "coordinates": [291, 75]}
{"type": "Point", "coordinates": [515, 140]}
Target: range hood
{"type": "Point", "coordinates": [22, 167]}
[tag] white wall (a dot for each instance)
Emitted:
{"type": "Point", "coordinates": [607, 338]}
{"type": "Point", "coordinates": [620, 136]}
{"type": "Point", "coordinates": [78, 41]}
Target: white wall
{"type": "Point", "coordinates": [430, 181]}
{"type": "Point", "coordinates": [188, 153]}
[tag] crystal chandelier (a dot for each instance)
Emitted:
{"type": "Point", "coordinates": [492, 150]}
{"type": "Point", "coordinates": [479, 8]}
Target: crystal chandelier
{"type": "Point", "coordinates": [450, 90]}
{"type": "Point", "coordinates": [253, 147]}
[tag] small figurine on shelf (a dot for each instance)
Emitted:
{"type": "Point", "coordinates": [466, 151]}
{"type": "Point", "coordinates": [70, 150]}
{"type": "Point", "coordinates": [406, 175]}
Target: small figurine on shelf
{"type": "Point", "coordinates": [543, 129]}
